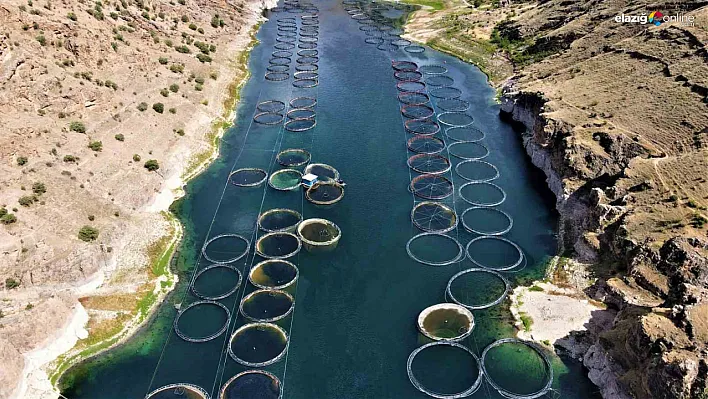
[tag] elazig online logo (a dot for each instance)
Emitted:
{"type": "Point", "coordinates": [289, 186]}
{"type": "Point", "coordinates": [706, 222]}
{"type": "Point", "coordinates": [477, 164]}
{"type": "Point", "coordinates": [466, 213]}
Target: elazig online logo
{"type": "Point", "coordinates": [657, 18]}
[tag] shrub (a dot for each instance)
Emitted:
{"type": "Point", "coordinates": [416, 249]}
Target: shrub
{"type": "Point", "coordinates": [96, 146]}
{"type": "Point", "coordinates": [91, 217]}
{"type": "Point", "coordinates": [203, 58]}
{"type": "Point", "coordinates": [27, 200]}
{"type": "Point", "coordinates": [77, 126]}
{"type": "Point", "coordinates": [173, 110]}
{"type": "Point", "coordinates": [71, 16]}
{"type": "Point", "coordinates": [3, 212]}
{"type": "Point", "coordinates": [142, 107]}
{"type": "Point", "coordinates": [11, 283]}
{"type": "Point", "coordinates": [177, 68]}
{"type": "Point", "coordinates": [199, 80]}
{"type": "Point", "coordinates": [180, 132]}
{"type": "Point", "coordinates": [183, 49]}
{"type": "Point", "coordinates": [213, 75]}
{"type": "Point", "coordinates": [168, 43]}
{"type": "Point", "coordinates": [69, 158]}
{"type": "Point", "coordinates": [120, 137]}
{"type": "Point", "coordinates": [162, 60]}
{"type": "Point", "coordinates": [39, 188]}
{"type": "Point", "coordinates": [159, 107]}
{"type": "Point", "coordinates": [21, 160]}
{"type": "Point", "coordinates": [111, 84]}
{"type": "Point", "coordinates": [88, 233]}
{"type": "Point", "coordinates": [185, 18]}
{"type": "Point", "coordinates": [42, 40]}
{"type": "Point", "coordinates": [8, 219]}
{"type": "Point", "coordinates": [174, 87]}
{"type": "Point", "coordinates": [215, 21]}
{"type": "Point", "coordinates": [692, 204]}
{"type": "Point", "coordinates": [192, 26]}
{"type": "Point", "coordinates": [165, 92]}
{"type": "Point", "coordinates": [136, 157]}
{"type": "Point", "coordinates": [152, 165]}
{"type": "Point", "coordinates": [198, 87]}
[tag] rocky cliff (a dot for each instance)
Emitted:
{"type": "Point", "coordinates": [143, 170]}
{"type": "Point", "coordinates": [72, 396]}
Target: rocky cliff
{"type": "Point", "coordinates": [616, 116]}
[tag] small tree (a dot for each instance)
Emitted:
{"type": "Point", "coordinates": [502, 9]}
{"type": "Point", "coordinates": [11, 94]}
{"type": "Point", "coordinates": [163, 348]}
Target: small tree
{"type": "Point", "coordinates": [159, 107]}
{"type": "Point", "coordinates": [11, 283]}
{"type": "Point", "coordinates": [96, 145]}
{"type": "Point", "coordinates": [88, 233]}
{"type": "Point", "coordinates": [152, 165]}
{"type": "Point", "coordinates": [77, 126]}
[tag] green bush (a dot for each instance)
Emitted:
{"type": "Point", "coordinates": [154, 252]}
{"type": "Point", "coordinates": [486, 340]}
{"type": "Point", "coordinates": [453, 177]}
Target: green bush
{"type": "Point", "coordinates": [177, 68]}
{"type": "Point", "coordinates": [183, 49]}
{"type": "Point", "coordinates": [152, 165]}
{"type": "Point", "coordinates": [173, 110]}
{"type": "Point", "coordinates": [215, 21]}
{"type": "Point", "coordinates": [3, 211]}
{"type": "Point", "coordinates": [136, 157]}
{"type": "Point", "coordinates": [8, 219]}
{"type": "Point", "coordinates": [199, 80]}
{"type": "Point", "coordinates": [27, 200]}
{"type": "Point", "coordinates": [214, 75]}
{"type": "Point", "coordinates": [142, 107]}
{"type": "Point", "coordinates": [185, 18]}
{"type": "Point", "coordinates": [120, 137]}
{"type": "Point", "coordinates": [198, 87]}
{"type": "Point", "coordinates": [96, 146]}
{"type": "Point", "coordinates": [180, 132]}
{"type": "Point", "coordinates": [163, 60]}
{"type": "Point", "coordinates": [88, 233]}
{"type": "Point", "coordinates": [39, 188]}
{"type": "Point", "coordinates": [11, 283]}
{"type": "Point", "coordinates": [164, 92]}
{"type": "Point", "coordinates": [69, 158]}
{"type": "Point", "coordinates": [174, 87]}
{"type": "Point", "coordinates": [77, 126]}
{"type": "Point", "coordinates": [21, 160]}
{"type": "Point", "coordinates": [71, 16]}
{"type": "Point", "coordinates": [159, 107]}
{"type": "Point", "coordinates": [42, 40]}
{"type": "Point", "coordinates": [192, 26]}
{"type": "Point", "coordinates": [91, 217]}
{"type": "Point", "coordinates": [203, 58]}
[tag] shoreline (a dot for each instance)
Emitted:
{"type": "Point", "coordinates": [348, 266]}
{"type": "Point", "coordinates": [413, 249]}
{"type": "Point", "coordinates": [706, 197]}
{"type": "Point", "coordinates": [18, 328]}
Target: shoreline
{"type": "Point", "coordinates": [45, 365]}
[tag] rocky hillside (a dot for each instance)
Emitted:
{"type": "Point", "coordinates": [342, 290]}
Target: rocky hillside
{"type": "Point", "coordinates": [616, 115]}
{"type": "Point", "coordinates": [103, 105]}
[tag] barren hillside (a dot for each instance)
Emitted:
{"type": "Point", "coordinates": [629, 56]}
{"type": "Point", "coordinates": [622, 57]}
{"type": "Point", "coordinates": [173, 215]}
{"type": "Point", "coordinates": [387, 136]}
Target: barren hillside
{"type": "Point", "coordinates": [103, 105]}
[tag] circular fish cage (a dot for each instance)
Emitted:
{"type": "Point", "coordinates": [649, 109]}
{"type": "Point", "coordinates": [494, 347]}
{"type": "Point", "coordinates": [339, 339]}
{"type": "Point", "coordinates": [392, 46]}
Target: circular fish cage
{"type": "Point", "coordinates": [429, 164]}
{"type": "Point", "coordinates": [271, 105]}
{"type": "Point", "coordinates": [274, 274]}
{"type": "Point", "coordinates": [301, 113]}
{"type": "Point", "coordinates": [285, 179]}
{"type": "Point", "coordinates": [453, 105]}
{"type": "Point", "coordinates": [434, 217]}
{"type": "Point", "coordinates": [482, 194]}
{"type": "Point", "coordinates": [477, 289]}
{"type": "Point", "coordinates": [300, 125]}
{"type": "Point", "coordinates": [425, 144]}
{"type": "Point", "coordinates": [279, 219]}
{"type": "Point", "coordinates": [408, 75]}
{"type": "Point", "coordinates": [197, 328]}
{"type": "Point", "coordinates": [455, 119]}
{"type": "Point", "coordinates": [411, 86]}
{"type": "Point", "coordinates": [433, 69]}
{"type": "Point", "coordinates": [275, 77]}
{"type": "Point", "coordinates": [277, 54]}
{"type": "Point", "coordinates": [258, 344]}
{"type": "Point", "coordinates": [278, 245]}
{"type": "Point", "coordinates": [446, 92]}
{"type": "Point", "coordinates": [267, 305]}
{"type": "Point", "coordinates": [303, 102]}
{"type": "Point", "coordinates": [494, 253]}
{"type": "Point", "coordinates": [446, 321]}
{"type": "Point", "coordinates": [279, 61]}
{"type": "Point", "coordinates": [306, 68]}
{"type": "Point", "coordinates": [223, 280]}
{"type": "Point", "coordinates": [284, 46]}
{"type": "Point", "coordinates": [252, 384]}
{"type": "Point", "coordinates": [404, 65]}
{"type": "Point", "coordinates": [436, 249]}
{"type": "Point", "coordinates": [431, 186]}
{"type": "Point", "coordinates": [319, 235]}
{"type": "Point", "coordinates": [443, 371]}
{"type": "Point", "coordinates": [439, 81]}
{"type": "Point", "coordinates": [477, 171]}
{"type": "Point", "coordinates": [425, 127]}
{"type": "Point", "coordinates": [182, 391]}
{"type": "Point", "coordinates": [413, 98]}
{"type": "Point", "coordinates": [325, 193]}
{"type": "Point", "coordinates": [248, 177]}
{"type": "Point", "coordinates": [468, 150]}
{"type": "Point", "coordinates": [466, 133]}
{"type": "Point", "coordinates": [293, 157]}
{"type": "Point", "coordinates": [414, 49]}
{"type": "Point", "coordinates": [521, 362]}
{"type": "Point", "coordinates": [323, 171]}
{"type": "Point", "coordinates": [486, 221]}
{"type": "Point", "coordinates": [225, 248]}
{"type": "Point", "coordinates": [417, 111]}
{"type": "Point", "coordinates": [277, 68]}
{"type": "Point", "coordinates": [270, 118]}
{"type": "Point", "coordinates": [305, 84]}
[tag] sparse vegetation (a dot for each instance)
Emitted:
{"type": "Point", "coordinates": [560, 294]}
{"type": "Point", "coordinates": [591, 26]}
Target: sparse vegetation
{"type": "Point", "coordinates": [39, 188]}
{"type": "Point", "coordinates": [8, 218]}
{"type": "Point", "coordinates": [69, 158]}
{"type": "Point", "coordinates": [27, 200]}
{"type": "Point", "coordinates": [96, 146]}
{"type": "Point", "coordinates": [77, 126]}
{"type": "Point", "coordinates": [88, 233]}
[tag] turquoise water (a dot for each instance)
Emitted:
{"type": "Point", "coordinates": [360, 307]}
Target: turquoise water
{"type": "Point", "coordinates": [353, 324]}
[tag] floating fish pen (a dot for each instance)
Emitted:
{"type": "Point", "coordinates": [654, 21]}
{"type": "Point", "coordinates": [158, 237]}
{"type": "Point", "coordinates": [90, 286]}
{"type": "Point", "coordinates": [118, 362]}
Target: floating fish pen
{"type": "Point", "coordinates": [193, 323]}
{"type": "Point", "coordinates": [446, 321]}
{"type": "Point", "coordinates": [225, 248]}
{"type": "Point", "coordinates": [248, 177]}
{"type": "Point", "coordinates": [477, 289]}
{"type": "Point", "coordinates": [275, 274]}
{"type": "Point", "coordinates": [323, 172]}
{"type": "Point", "coordinates": [431, 371]}
{"type": "Point", "coordinates": [258, 344]}
{"type": "Point", "coordinates": [252, 384]}
{"type": "Point", "coordinates": [325, 193]}
{"type": "Point", "coordinates": [285, 179]}
{"type": "Point", "coordinates": [267, 305]}
{"type": "Point", "coordinates": [293, 157]}
{"type": "Point", "coordinates": [278, 245]}
{"type": "Point", "coordinates": [279, 219]}
{"type": "Point", "coordinates": [319, 235]}
{"type": "Point", "coordinates": [520, 362]}
{"type": "Point", "coordinates": [181, 391]}
{"type": "Point", "coordinates": [226, 278]}
{"type": "Point", "coordinates": [434, 217]}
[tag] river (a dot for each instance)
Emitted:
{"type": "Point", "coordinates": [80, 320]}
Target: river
{"type": "Point", "coordinates": [353, 324]}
